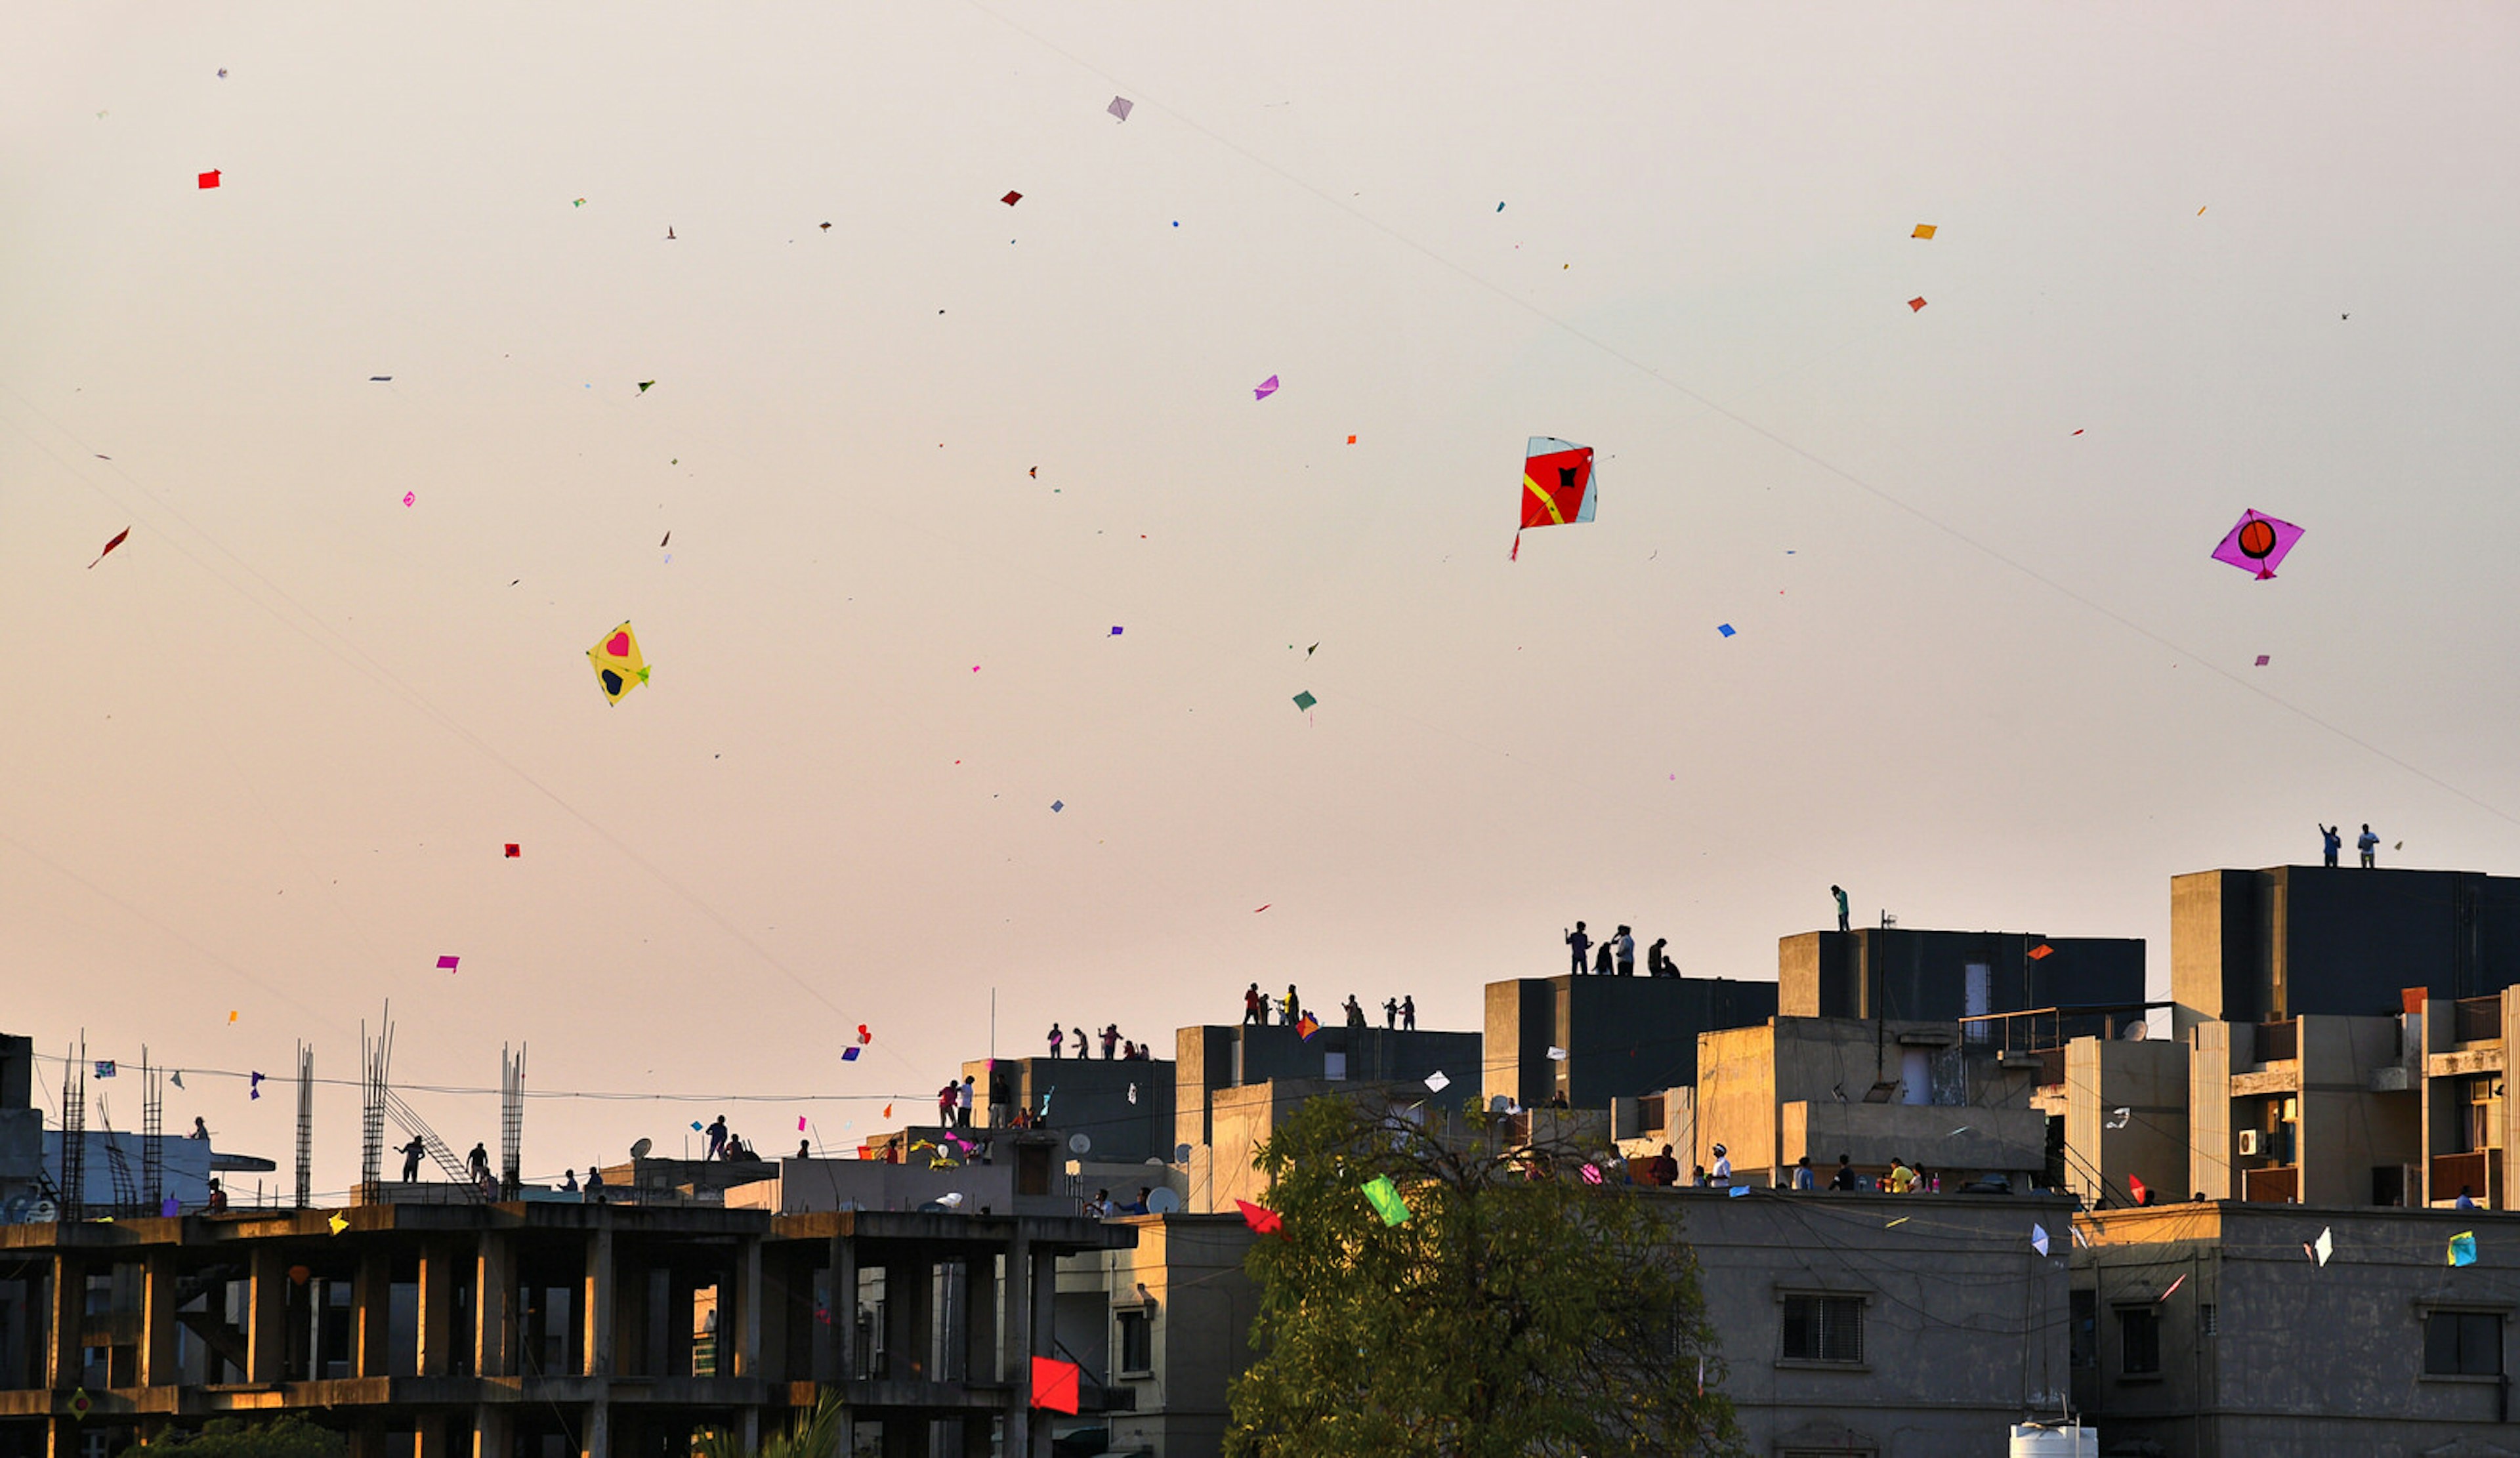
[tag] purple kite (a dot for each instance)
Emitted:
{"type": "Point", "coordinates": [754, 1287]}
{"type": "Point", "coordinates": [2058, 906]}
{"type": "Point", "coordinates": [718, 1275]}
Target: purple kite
{"type": "Point", "coordinates": [2257, 543]}
{"type": "Point", "coordinates": [1264, 389]}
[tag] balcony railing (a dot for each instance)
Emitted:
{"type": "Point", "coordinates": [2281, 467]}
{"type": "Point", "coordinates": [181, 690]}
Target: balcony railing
{"type": "Point", "coordinates": [2472, 1171]}
{"type": "Point", "coordinates": [2277, 1185]}
{"type": "Point", "coordinates": [2046, 1030]}
{"type": "Point", "coordinates": [2476, 1019]}
{"type": "Point", "coordinates": [2278, 1041]}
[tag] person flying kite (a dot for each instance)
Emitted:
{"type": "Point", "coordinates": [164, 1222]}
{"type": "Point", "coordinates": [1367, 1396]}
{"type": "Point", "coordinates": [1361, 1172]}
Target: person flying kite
{"type": "Point", "coordinates": [1557, 486]}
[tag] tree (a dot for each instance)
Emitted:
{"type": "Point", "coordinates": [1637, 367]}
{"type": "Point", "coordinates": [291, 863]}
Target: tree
{"type": "Point", "coordinates": [810, 1434]}
{"type": "Point", "coordinates": [1520, 1310]}
{"type": "Point", "coordinates": [292, 1435]}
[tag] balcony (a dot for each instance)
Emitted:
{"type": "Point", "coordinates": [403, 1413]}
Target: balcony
{"type": "Point", "coordinates": [2278, 1185]}
{"type": "Point", "coordinates": [2476, 1170]}
{"type": "Point", "coordinates": [2477, 1019]}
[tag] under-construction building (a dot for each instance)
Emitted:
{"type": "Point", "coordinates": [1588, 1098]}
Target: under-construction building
{"type": "Point", "coordinates": [535, 1329]}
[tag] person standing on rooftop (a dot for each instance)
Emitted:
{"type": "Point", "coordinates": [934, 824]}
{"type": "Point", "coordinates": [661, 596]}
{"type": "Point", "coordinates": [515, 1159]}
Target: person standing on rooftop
{"type": "Point", "coordinates": [1294, 1008]}
{"type": "Point", "coordinates": [1578, 944]}
{"type": "Point", "coordinates": [2331, 843]}
{"type": "Point", "coordinates": [1409, 1014]}
{"type": "Point", "coordinates": [1626, 942]}
{"type": "Point", "coordinates": [1255, 1009]}
{"type": "Point", "coordinates": [2369, 845]}
{"type": "Point", "coordinates": [1391, 1012]}
{"type": "Point", "coordinates": [1355, 1011]}
{"type": "Point", "coordinates": [1058, 1040]}
{"type": "Point", "coordinates": [1841, 892]}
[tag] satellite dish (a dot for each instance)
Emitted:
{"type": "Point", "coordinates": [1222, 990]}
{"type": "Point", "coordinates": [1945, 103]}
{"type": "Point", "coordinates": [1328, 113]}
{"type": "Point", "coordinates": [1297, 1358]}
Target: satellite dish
{"type": "Point", "coordinates": [2135, 1033]}
{"type": "Point", "coordinates": [639, 1151]}
{"type": "Point", "coordinates": [15, 1212]}
{"type": "Point", "coordinates": [1163, 1201]}
{"type": "Point", "coordinates": [1180, 1154]}
{"type": "Point", "coordinates": [1500, 1104]}
{"type": "Point", "coordinates": [44, 1213]}
{"type": "Point", "coordinates": [1077, 1143]}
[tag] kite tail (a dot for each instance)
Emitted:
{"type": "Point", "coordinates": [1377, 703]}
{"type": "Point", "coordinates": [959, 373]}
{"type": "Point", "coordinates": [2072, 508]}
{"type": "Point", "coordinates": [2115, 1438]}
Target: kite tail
{"type": "Point", "coordinates": [1516, 555]}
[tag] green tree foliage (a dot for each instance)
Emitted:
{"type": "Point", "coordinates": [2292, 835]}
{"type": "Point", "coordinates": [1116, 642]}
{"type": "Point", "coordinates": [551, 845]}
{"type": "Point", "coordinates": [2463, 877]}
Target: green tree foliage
{"type": "Point", "coordinates": [810, 1434]}
{"type": "Point", "coordinates": [1519, 1310]}
{"type": "Point", "coordinates": [288, 1437]}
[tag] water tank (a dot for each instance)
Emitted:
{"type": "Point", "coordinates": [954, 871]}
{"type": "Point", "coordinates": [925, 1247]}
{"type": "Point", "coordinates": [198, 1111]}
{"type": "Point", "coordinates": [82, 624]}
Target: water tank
{"type": "Point", "coordinates": [2046, 1440]}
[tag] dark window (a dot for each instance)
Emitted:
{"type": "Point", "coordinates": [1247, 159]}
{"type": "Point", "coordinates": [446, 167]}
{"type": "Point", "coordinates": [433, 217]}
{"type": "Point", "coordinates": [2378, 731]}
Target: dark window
{"type": "Point", "coordinates": [2084, 1342]}
{"type": "Point", "coordinates": [2463, 1343]}
{"type": "Point", "coordinates": [2205, 1310]}
{"type": "Point", "coordinates": [2139, 1341]}
{"type": "Point", "coordinates": [1825, 1329]}
{"type": "Point", "coordinates": [1137, 1342]}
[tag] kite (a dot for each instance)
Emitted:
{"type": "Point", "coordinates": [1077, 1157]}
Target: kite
{"type": "Point", "coordinates": [1739, 1190]}
{"type": "Point", "coordinates": [2257, 543]}
{"type": "Point", "coordinates": [618, 664]}
{"type": "Point", "coordinates": [2263, 660]}
{"type": "Point", "coordinates": [1385, 1199]}
{"type": "Point", "coordinates": [253, 1087]}
{"type": "Point", "coordinates": [1556, 486]}
{"type": "Point", "coordinates": [800, 1123]}
{"type": "Point", "coordinates": [169, 1208]}
{"type": "Point", "coordinates": [1437, 1082]}
{"type": "Point", "coordinates": [338, 1222]}
{"type": "Point", "coordinates": [2043, 949]}
{"type": "Point", "coordinates": [1591, 1174]}
{"type": "Point", "coordinates": [407, 500]}
{"type": "Point", "coordinates": [1262, 1219]}
{"type": "Point", "coordinates": [2135, 1187]}
{"type": "Point", "coordinates": [379, 379]}
{"type": "Point", "coordinates": [177, 1077]}
{"type": "Point", "coordinates": [2462, 1248]}
{"type": "Point", "coordinates": [1055, 806]}
{"type": "Point", "coordinates": [1307, 1026]}
{"type": "Point", "coordinates": [209, 178]}
{"type": "Point", "coordinates": [2174, 1286]}
{"type": "Point", "coordinates": [1894, 1225]}
{"type": "Point", "coordinates": [580, 202]}
{"type": "Point", "coordinates": [864, 1036]}
{"type": "Point", "coordinates": [1917, 303]}
{"type": "Point", "coordinates": [1122, 106]}
{"type": "Point", "coordinates": [1725, 628]}
{"type": "Point", "coordinates": [1263, 907]}
{"type": "Point", "coordinates": [2118, 1119]}
{"type": "Point", "coordinates": [1556, 1055]}
{"type": "Point", "coordinates": [109, 546]}
{"type": "Point", "coordinates": [104, 1068]}
{"type": "Point", "coordinates": [2323, 1247]}
{"type": "Point", "coordinates": [887, 1111]}
{"type": "Point", "coordinates": [1926, 230]}
{"type": "Point", "coordinates": [447, 963]}
{"type": "Point", "coordinates": [1115, 630]}
{"type": "Point", "coordinates": [514, 849]}
{"type": "Point", "coordinates": [2038, 1239]}
{"type": "Point", "coordinates": [1264, 389]}
{"type": "Point", "coordinates": [1053, 1384]}
{"type": "Point", "coordinates": [1305, 700]}
{"type": "Point", "coordinates": [644, 385]}
{"type": "Point", "coordinates": [1010, 199]}
{"type": "Point", "coordinates": [850, 1055]}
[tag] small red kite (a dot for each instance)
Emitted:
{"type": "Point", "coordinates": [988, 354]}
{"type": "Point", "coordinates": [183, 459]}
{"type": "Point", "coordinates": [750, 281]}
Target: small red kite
{"type": "Point", "coordinates": [209, 178]}
{"type": "Point", "coordinates": [1556, 485]}
{"type": "Point", "coordinates": [1262, 1219]}
{"type": "Point", "coordinates": [1053, 1384]}
{"type": "Point", "coordinates": [109, 546]}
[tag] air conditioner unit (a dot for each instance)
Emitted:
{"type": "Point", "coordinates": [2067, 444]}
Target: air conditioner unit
{"type": "Point", "coordinates": [2253, 1141]}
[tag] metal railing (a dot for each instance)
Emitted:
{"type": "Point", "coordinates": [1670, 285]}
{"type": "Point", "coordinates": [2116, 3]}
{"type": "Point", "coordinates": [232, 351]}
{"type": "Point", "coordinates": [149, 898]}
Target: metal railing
{"type": "Point", "coordinates": [2046, 1030]}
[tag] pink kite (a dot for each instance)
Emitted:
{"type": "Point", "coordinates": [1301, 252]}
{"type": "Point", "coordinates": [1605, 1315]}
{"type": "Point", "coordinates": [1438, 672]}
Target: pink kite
{"type": "Point", "coordinates": [1264, 389]}
{"type": "Point", "coordinates": [2257, 543]}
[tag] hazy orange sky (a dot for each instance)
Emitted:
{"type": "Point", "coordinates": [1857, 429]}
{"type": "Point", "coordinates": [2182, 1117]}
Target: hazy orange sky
{"type": "Point", "coordinates": [264, 756]}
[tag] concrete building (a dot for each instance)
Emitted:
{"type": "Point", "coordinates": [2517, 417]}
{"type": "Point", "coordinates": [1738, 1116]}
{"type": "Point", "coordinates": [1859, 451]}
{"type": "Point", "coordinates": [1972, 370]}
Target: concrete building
{"type": "Point", "coordinates": [21, 1125]}
{"type": "Point", "coordinates": [1622, 1037]}
{"type": "Point", "coordinates": [2466, 1099]}
{"type": "Point", "coordinates": [1212, 1062]}
{"type": "Point", "coordinates": [1163, 1327]}
{"type": "Point", "coordinates": [2215, 1331]}
{"type": "Point", "coordinates": [2266, 946]}
{"type": "Point", "coordinates": [1123, 1107]}
{"type": "Point", "coordinates": [1940, 975]}
{"type": "Point", "coordinates": [1888, 1326]}
{"type": "Point", "coordinates": [1870, 1091]}
{"type": "Point", "coordinates": [532, 1329]}
{"type": "Point", "coordinates": [2122, 1128]}
{"type": "Point", "coordinates": [2315, 1110]}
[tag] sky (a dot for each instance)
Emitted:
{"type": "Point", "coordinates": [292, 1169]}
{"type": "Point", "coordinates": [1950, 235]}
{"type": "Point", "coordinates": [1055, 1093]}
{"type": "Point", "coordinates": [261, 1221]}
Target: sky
{"type": "Point", "coordinates": [920, 451]}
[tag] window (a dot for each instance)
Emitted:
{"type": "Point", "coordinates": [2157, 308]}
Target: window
{"type": "Point", "coordinates": [2463, 1343]}
{"type": "Point", "coordinates": [2205, 1312]}
{"type": "Point", "coordinates": [2139, 1341]}
{"type": "Point", "coordinates": [2084, 1336]}
{"type": "Point", "coordinates": [1823, 1329]}
{"type": "Point", "coordinates": [1137, 1341]}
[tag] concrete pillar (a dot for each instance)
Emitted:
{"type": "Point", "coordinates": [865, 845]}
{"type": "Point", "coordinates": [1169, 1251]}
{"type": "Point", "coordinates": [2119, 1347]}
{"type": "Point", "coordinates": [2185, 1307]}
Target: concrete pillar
{"type": "Point", "coordinates": [159, 1323]}
{"type": "Point", "coordinates": [428, 1436]}
{"type": "Point", "coordinates": [595, 1301]}
{"type": "Point", "coordinates": [597, 1440]}
{"type": "Point", "coordinates": [372, 1315]}
{"type": "Point", "coordinates": [367, 1439]}
{"type": "Point", "coordinates": [437, 1280]}
{"type": "Point", "coordinates": [1045, 1293]}
{"type": "Point", "coordinates": [744, 1333]}
{"type": "Point", "coordinates": [910, 1315]}
{"type": "Point", "coordinates": [266, 1341]}
{"type": "Point", "coordinates": [492, 1435]}
{"type": "Point", "coordinates": [62, 1368]}
{"type": "Point", "coordinates": [980, 1320]}
{"type": "Point", "coordinates": [842, 1306]}
{"type": "Point", "coordinates": [494, 1308]}
{"type": "Point", "coordinates": [1017, 1349]}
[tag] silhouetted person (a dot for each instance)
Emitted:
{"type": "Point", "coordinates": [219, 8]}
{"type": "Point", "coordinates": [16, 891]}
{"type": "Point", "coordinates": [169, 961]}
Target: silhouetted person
{"type": "Point", "coordinates": [2369, 845]}
{"type": "Point", "coordinates": [1626, 942]}
{"type": "Point", "coordinates": [1409, 1014]}
{"type": "Point", "coordinates": [411, 1154]}
{"type": "Point", "coordinates": [1110, 1040]}
{"type": "Point", "coordinates": [201, 1130]}
{"type": "Point", "coordinates": [480, 1160]}
{"type": "Point", "coordinates": [717, 1136]}
{"type": "Point", "coordinates": [1291, 1009]}
{"type": "Point", "coordinates": [1255, 1009]}
{"type": "Point", "coordinates": [1355, 1011]}
{"type": "Point", "coordinates": [1841, 892]}
{"type": "Point", "coordinates": [594, 1184]}
{"type": "Point", "coordinates": [1577, 943]}
{"type": "Point", "coordinates": [1391, 1013]}
{"type": "Point", "coordinates": [1001, 1100]}
{"type": "Point", "coordinates": [1657, 963]}
{"type": "Point", "coordinates": [963, 1102]}
{"type": "Point", "coordinates": [1602, 955]}
{"type": "Point", "coordinates": [1844, 1178]}
{"type": "Point", "coordinates": [804, 1149]}
{"type": "Point", "coordinates": [1078, 1033]}
{"type": "Point", "coordinates": [1058, 1040]}
{"type": "Point", "coordinates": [2329, 842]}
{"type": "Point", "coordinates": [568, 1184]}
{"type": "Point", "coordinates": [218, 1200]}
